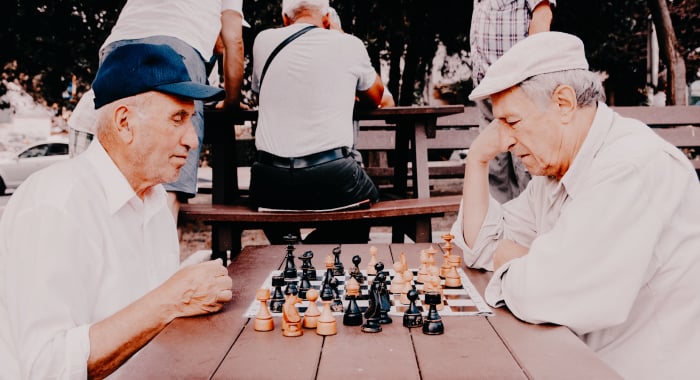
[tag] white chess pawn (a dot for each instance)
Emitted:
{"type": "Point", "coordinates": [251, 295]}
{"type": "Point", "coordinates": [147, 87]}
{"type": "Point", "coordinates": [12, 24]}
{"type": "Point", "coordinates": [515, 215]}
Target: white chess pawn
{"type": "Point", "coordinates": [371, 271]}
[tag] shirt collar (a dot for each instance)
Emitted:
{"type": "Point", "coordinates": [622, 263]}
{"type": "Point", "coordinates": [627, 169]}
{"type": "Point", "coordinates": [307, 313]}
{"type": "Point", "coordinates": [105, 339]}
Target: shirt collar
{"type": "Point", "coordinates": [602, 122]}
{"type": "Point", "coordinates": [116, 188]}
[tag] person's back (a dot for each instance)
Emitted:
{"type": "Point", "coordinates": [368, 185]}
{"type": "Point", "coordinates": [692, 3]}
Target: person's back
{"type": "Point", "coordinates": [308, 90]}
{"type": "Point", "coordinates": [305, 132]}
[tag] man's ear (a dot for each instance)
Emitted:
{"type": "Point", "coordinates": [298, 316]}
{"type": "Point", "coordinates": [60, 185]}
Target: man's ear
{"type": "Point", "coordinates": [564, 97]}
{"type": "Point", "coordinates": [326, 20]}
{"type": "Point", "coordinates": [122, 116]}
{"type": "Point", "coordinates": [286, 21]}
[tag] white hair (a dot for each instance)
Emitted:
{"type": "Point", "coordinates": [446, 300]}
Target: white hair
{"type": "Point", "coordinates": [290, 8]}
{"type": "Point", "coordinates": [586, 84]}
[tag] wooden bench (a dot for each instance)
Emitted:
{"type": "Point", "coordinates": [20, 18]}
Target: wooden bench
{"type": "Point", "coordinates": [229, 214]}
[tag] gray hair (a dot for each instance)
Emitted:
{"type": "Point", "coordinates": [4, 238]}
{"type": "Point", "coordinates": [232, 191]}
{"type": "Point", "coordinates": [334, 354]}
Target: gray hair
{"type": "Point", "coordinates": [295, 8]}
{"type": "Point", "coordinates": [586, 84]}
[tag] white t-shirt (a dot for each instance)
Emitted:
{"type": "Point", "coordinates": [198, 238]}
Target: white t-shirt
{"type": "Point", "coordinates": [308, 94]}
{"type": "Point", "coordinates": [76, 245]}
{"type": "Point", "coordinates": [197, 22]}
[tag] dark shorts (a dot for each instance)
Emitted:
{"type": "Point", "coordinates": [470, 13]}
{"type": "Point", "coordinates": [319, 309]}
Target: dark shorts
{"type": "Point", "coordinates": [332, 184]}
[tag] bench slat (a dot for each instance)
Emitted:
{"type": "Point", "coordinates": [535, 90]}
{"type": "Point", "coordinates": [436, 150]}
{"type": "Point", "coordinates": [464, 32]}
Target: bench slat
{"type": "Point", "coordinates": [241, 213]}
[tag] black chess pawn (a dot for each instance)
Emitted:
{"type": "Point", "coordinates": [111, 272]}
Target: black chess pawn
{"type": "Point", "coordinates": [326, 287]}
{"type": "Point", "coordinates": [307, 266]}
{"type": "Point", "coordinates": [353, 315]}
{"type": "Point", "coordinates": [291, 288]}
{"type": "Point", "coordinates": [433, 322]}
{"type": "Point", "coordinates": [356, 273]}
{"type": "Point", "coordinates": [304, 285]}
{"type": "Point", "coordinates": [384, 298]}
{"type": "Point", "coordinates": [337, 304]}
{"type": "Point", "coordinates": [338, 267]}
{"type": "Point", "coordinates": [379, 267]}
{"type": "Point", "coordinates": [412, 317]}
{"type": "Point", "coordinates": [277, 299]}
{"type": "Point", "coordinates": [290, 269]}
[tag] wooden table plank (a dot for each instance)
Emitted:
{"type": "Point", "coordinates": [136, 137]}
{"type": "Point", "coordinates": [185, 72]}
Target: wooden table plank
{"type": "Point", "coordinates": [547, 351]}
{"type": "Point", "coordinates": [170, 354]}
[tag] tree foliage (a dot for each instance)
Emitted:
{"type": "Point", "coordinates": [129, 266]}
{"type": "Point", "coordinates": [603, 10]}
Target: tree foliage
{"type": "Point", "coordinates": [47, 42]}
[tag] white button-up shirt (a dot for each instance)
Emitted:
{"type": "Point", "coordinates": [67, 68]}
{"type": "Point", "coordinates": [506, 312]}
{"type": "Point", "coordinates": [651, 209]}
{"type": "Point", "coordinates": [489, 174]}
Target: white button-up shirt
{"type": "Point", "coordinates": [614, 251]}
{"type": "Point", "coordinates": [76, 245]}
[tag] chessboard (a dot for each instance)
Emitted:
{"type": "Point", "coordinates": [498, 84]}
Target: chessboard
{"type": "Point", "coordinates": [461, 301]}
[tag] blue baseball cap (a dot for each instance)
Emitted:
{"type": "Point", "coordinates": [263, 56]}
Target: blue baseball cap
{"type": "Point", "coordinates": [137, 68]}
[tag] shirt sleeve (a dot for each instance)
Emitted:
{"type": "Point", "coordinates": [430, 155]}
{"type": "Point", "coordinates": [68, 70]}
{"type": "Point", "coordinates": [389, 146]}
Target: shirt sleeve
{"type": "Point", "coordinates": [363, 69]}
{"type": "Point", "coordinates": [586, 271]}
{"type": "Point", "coordinates": [53, 274]}
{"type": "Point", "coordinates": [236, 5]}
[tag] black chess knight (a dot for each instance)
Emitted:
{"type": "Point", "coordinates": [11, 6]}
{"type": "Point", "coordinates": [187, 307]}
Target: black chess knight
{"type": "Point", "coordinates": [307, 266]}
{"type": "Point", "coordinates": [338, 267]}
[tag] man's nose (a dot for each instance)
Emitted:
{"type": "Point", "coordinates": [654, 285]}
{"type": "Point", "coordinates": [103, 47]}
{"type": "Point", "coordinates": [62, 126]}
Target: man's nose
{"type": "Point", "coordinates": [190, 139]}
{"type": "Point", "coordinates": [507, 140]}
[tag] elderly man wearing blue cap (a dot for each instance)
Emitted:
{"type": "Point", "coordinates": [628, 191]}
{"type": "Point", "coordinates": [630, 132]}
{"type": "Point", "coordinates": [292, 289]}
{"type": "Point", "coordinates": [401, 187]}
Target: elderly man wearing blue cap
{"type": "Point", "coordinates": [605, 239]}
{"type": "Point", "coordinates": [89, 253]}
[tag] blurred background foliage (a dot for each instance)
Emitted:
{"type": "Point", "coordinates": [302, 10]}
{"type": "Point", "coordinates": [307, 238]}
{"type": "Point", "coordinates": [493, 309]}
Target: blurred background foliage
{"type": "Point", "coordinates": [50, 46]}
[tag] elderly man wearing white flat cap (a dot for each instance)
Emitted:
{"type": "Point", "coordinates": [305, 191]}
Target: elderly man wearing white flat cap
{"type": "Point", "coordinates": [606, 237]}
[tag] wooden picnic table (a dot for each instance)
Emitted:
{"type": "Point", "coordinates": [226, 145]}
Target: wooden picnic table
{"type": "Point", "coordinates": [225, 346]}
{"type": "Point", "coordinates": [414, 125]}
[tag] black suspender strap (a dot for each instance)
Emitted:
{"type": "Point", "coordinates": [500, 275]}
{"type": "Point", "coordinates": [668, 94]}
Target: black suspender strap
{"type": "Point", "coordinates": [280, 47]}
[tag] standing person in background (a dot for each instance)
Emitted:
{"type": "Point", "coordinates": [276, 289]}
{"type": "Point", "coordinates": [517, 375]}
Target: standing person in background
{"type": "Point", "coordinates": [191, 28]}
{"type": "Point", "coordinates": [496, 26]}
{"type": "Point", "coordinates": [89, 270]}
{"type": "Point", "coordinates": [305, 130]}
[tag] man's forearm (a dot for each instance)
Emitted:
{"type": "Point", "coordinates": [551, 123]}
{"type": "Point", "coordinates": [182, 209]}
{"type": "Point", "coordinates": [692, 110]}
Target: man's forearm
{"type": "Point", "coordinates": [541, 18]}
{"type": "Point", "coordinates": [232, 37]}
{"type": "Point", "coordinates": [475, 198]}
{"type": "Point", "coordinates": [116, 338]}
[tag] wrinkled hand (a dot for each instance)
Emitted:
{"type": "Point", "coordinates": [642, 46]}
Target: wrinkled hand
{"type": "Point", "coordinates": [487, 145]}
{"type": "Point", "coordinates": [200, 288]}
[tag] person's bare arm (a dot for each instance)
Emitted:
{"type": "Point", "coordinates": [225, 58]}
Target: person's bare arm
{"type": "Point", "coordinates": [232, 38]}
{"type": "Point", "coordinates": [506, 251]}
{"type": "Point", "coordinates": [193, 290]}
{"type": "Point", "coordinates": [372, 97]}
{"type": "Point", "coordinates": [541, 18]}
{"type": "Point", "coordinates": [475, 191]}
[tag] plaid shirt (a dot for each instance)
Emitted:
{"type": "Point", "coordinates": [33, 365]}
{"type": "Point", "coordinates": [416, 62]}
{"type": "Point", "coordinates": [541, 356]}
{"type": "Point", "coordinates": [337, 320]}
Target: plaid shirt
{"type": "Point", "coordinates": [496, 26]}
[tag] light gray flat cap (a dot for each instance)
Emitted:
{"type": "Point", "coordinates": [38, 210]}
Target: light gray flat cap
{"type": "Point", "coordinates": [540, 53]}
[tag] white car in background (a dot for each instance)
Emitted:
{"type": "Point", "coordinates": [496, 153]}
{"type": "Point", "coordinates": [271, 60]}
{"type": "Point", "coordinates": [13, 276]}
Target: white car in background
{"type": "Point", "coordinates": [16, 168]}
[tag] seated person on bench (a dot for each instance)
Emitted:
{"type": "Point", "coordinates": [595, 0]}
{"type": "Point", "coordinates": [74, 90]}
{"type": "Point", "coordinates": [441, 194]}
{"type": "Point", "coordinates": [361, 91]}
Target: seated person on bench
{"type": "Point", "coordinates": [605, 239]}
{"type": "Point", "coordinates": [305, 130]}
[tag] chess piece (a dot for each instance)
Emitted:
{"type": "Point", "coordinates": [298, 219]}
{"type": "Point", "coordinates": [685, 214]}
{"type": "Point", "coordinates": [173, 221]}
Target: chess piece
{"type": "Point", "coordinates": [384, 299]}
{"type": "Point", "coordinates": [446, 264]}
{"type": "Point", "coordinates": [291, 320]}
{"type": "Point", "coordinates": [326, 287]}
{"type": "Point", "coordinates": [263, 320]}
{"type": "Point", "coordinates": [423, 268]}
{"type": "Point", "coordinates": [432, 284]}
{"type": "Point", "coordinates": [372, 261]}
{"type": "Point", "coordinates": [307, 266]}
{"type": "Point", "coordinates": [373, 311]}
{"type": "Point", "coordinates": [277, 296]}
{"type": "Point", "coordinates": [291, 288]}
{"type": "Point", "coordinates": [433, 322]}
{"type": "Point", "coordinates": [412, 317]}
{"type": "Point", "coordinates": [356, 273]}
{"type": "Point", "coordinates": [452, 278]}
{"type": "Point", "coordinates": [338, 267]}
{"type": "Point", "coordinates": [290, 269]}
{"type": "Point", "coordinates": [326, 324]}
{"type": "Point", "coordinates": [455, 260]}
{"type": "Point", "coordinates": [304, 284]}
{"type": "Point", "coordinates": [312, 312]}
{"type": "Point", "coordinates": [397, 283]}
{"type": "Point", "coordinates": [337, 304]}
{"type": "Point", "coordinates": [353, 315]}
{"type": "Point", "coordinates": [430, 261]}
